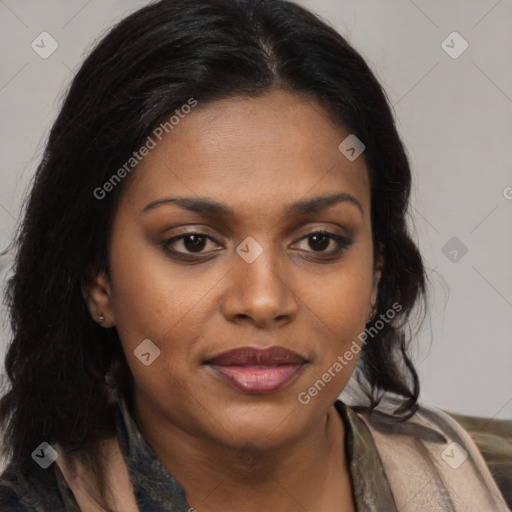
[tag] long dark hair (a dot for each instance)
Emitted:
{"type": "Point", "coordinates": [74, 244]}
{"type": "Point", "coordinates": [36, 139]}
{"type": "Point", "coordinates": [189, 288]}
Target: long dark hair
{"type": "Point", "coordinates": [61, 365]}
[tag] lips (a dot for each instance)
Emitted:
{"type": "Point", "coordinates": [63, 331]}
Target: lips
{"type": "Point", "coordinates": [257, 371]}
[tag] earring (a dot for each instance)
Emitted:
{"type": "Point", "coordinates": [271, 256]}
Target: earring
{"type": "Point", "coordinates": [101, 318]}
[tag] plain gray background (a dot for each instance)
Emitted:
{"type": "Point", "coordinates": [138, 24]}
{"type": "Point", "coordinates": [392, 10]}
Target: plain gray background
{"type": "Point", "coordinates": [454, 115]}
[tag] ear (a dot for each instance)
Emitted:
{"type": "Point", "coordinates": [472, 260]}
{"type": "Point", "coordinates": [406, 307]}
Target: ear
{"type": "Point", "coordinates": [96, 291]}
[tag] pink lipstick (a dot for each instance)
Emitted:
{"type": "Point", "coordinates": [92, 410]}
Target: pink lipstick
{"type": "Point", "coordinates": [257, 371]}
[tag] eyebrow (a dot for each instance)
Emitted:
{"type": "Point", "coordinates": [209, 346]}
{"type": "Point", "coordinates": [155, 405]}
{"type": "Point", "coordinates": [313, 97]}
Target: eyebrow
{"type": "Point", "coordinates": [207, 206]}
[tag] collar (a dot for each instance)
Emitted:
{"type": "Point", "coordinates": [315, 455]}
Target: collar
{"type": "Point", "coordinates": [370, 486]}
{"type": "Point", "coordinates": [157, 491]}
{"type": "Point", "coordinates": [154, 488]}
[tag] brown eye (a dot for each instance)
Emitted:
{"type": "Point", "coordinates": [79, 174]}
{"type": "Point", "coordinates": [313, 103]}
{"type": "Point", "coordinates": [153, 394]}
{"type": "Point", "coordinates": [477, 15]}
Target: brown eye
{"type": "Point", "coordinates": [192, 243]}
{"type": "Point", "coordinates": [320, 241]}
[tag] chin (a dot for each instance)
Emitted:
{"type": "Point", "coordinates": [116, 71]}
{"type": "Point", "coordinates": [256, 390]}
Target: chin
{"type": "Point", "coordinates": [264, 426]}
{"type": "Point", "coordinates": [258, 440]}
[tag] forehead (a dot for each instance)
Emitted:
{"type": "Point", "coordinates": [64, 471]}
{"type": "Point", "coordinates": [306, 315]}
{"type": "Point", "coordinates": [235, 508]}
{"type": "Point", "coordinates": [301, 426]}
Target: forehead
{"type": "Point", "coordinates": [250, 150]}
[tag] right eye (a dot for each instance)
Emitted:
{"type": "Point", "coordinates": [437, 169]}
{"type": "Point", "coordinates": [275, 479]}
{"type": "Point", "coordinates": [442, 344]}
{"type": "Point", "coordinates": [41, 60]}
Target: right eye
{"type": "Point", "coordinates": [193, 243]}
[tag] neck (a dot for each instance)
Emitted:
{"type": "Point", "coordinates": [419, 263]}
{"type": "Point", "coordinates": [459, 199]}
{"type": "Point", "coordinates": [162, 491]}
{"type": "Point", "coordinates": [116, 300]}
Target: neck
{"type": "Point", "coordinates": [309, 473]}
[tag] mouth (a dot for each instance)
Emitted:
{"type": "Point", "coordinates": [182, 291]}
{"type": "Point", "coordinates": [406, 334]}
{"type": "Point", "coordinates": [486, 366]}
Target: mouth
{"type": "Point", "coordinates": [256, 371]}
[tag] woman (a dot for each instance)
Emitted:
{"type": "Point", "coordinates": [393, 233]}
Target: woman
{"type": "Point", "coordinates": [215, 242]}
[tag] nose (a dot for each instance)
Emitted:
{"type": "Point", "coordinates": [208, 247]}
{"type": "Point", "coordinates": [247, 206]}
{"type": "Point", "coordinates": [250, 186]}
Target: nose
{"type": "Point", "coordinates": [260, 292]}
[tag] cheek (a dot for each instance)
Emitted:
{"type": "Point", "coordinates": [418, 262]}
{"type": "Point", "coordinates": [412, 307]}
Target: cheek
{"type": "Point", "coordinates": [150, 298]}
{"type": "Point", "coordinates": [152, 303]}
{"type": "Point", "coordinates": [342, 297]}
{"type": "Point", "coordinates": [338, 307]}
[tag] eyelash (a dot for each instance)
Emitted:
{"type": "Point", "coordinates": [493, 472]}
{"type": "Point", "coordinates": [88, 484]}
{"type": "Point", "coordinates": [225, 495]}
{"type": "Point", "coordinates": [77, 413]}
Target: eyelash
{"type": "Point", "coordinates": [343, 244]}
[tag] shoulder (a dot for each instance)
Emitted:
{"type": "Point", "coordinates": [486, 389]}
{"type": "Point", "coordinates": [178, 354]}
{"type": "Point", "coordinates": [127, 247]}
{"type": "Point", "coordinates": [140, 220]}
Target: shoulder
{"type": "Point", "coordinates": [432, 444]}
{"type": "Point", "coordinates": [26, 489]}
{"type": "Point", "coordinates": [493, 438]}
{"type": "Point", "coordinates": [15, 494]}
{"type": "Point", "coordinates": [11, 500]}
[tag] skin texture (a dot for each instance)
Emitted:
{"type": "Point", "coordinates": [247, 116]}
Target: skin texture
{"type": "Point", "coordinates": [257, 156]}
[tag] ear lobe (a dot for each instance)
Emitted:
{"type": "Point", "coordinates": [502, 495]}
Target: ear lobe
{"type": "Point", "coordinates": [96, 291]}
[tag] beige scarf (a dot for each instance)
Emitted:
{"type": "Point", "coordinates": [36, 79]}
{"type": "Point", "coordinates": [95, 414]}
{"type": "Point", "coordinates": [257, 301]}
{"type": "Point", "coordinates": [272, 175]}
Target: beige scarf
{"type": "Point", "coordinates": [424, 474]}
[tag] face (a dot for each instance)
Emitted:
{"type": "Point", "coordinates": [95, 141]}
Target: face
{"type": "Point", "coordinates": [245, 227]}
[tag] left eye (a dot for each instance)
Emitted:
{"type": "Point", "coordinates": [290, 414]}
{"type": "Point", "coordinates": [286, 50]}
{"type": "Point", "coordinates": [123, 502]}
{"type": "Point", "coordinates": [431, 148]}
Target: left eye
{"type": "Point", "coordinates": [319, 241]}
